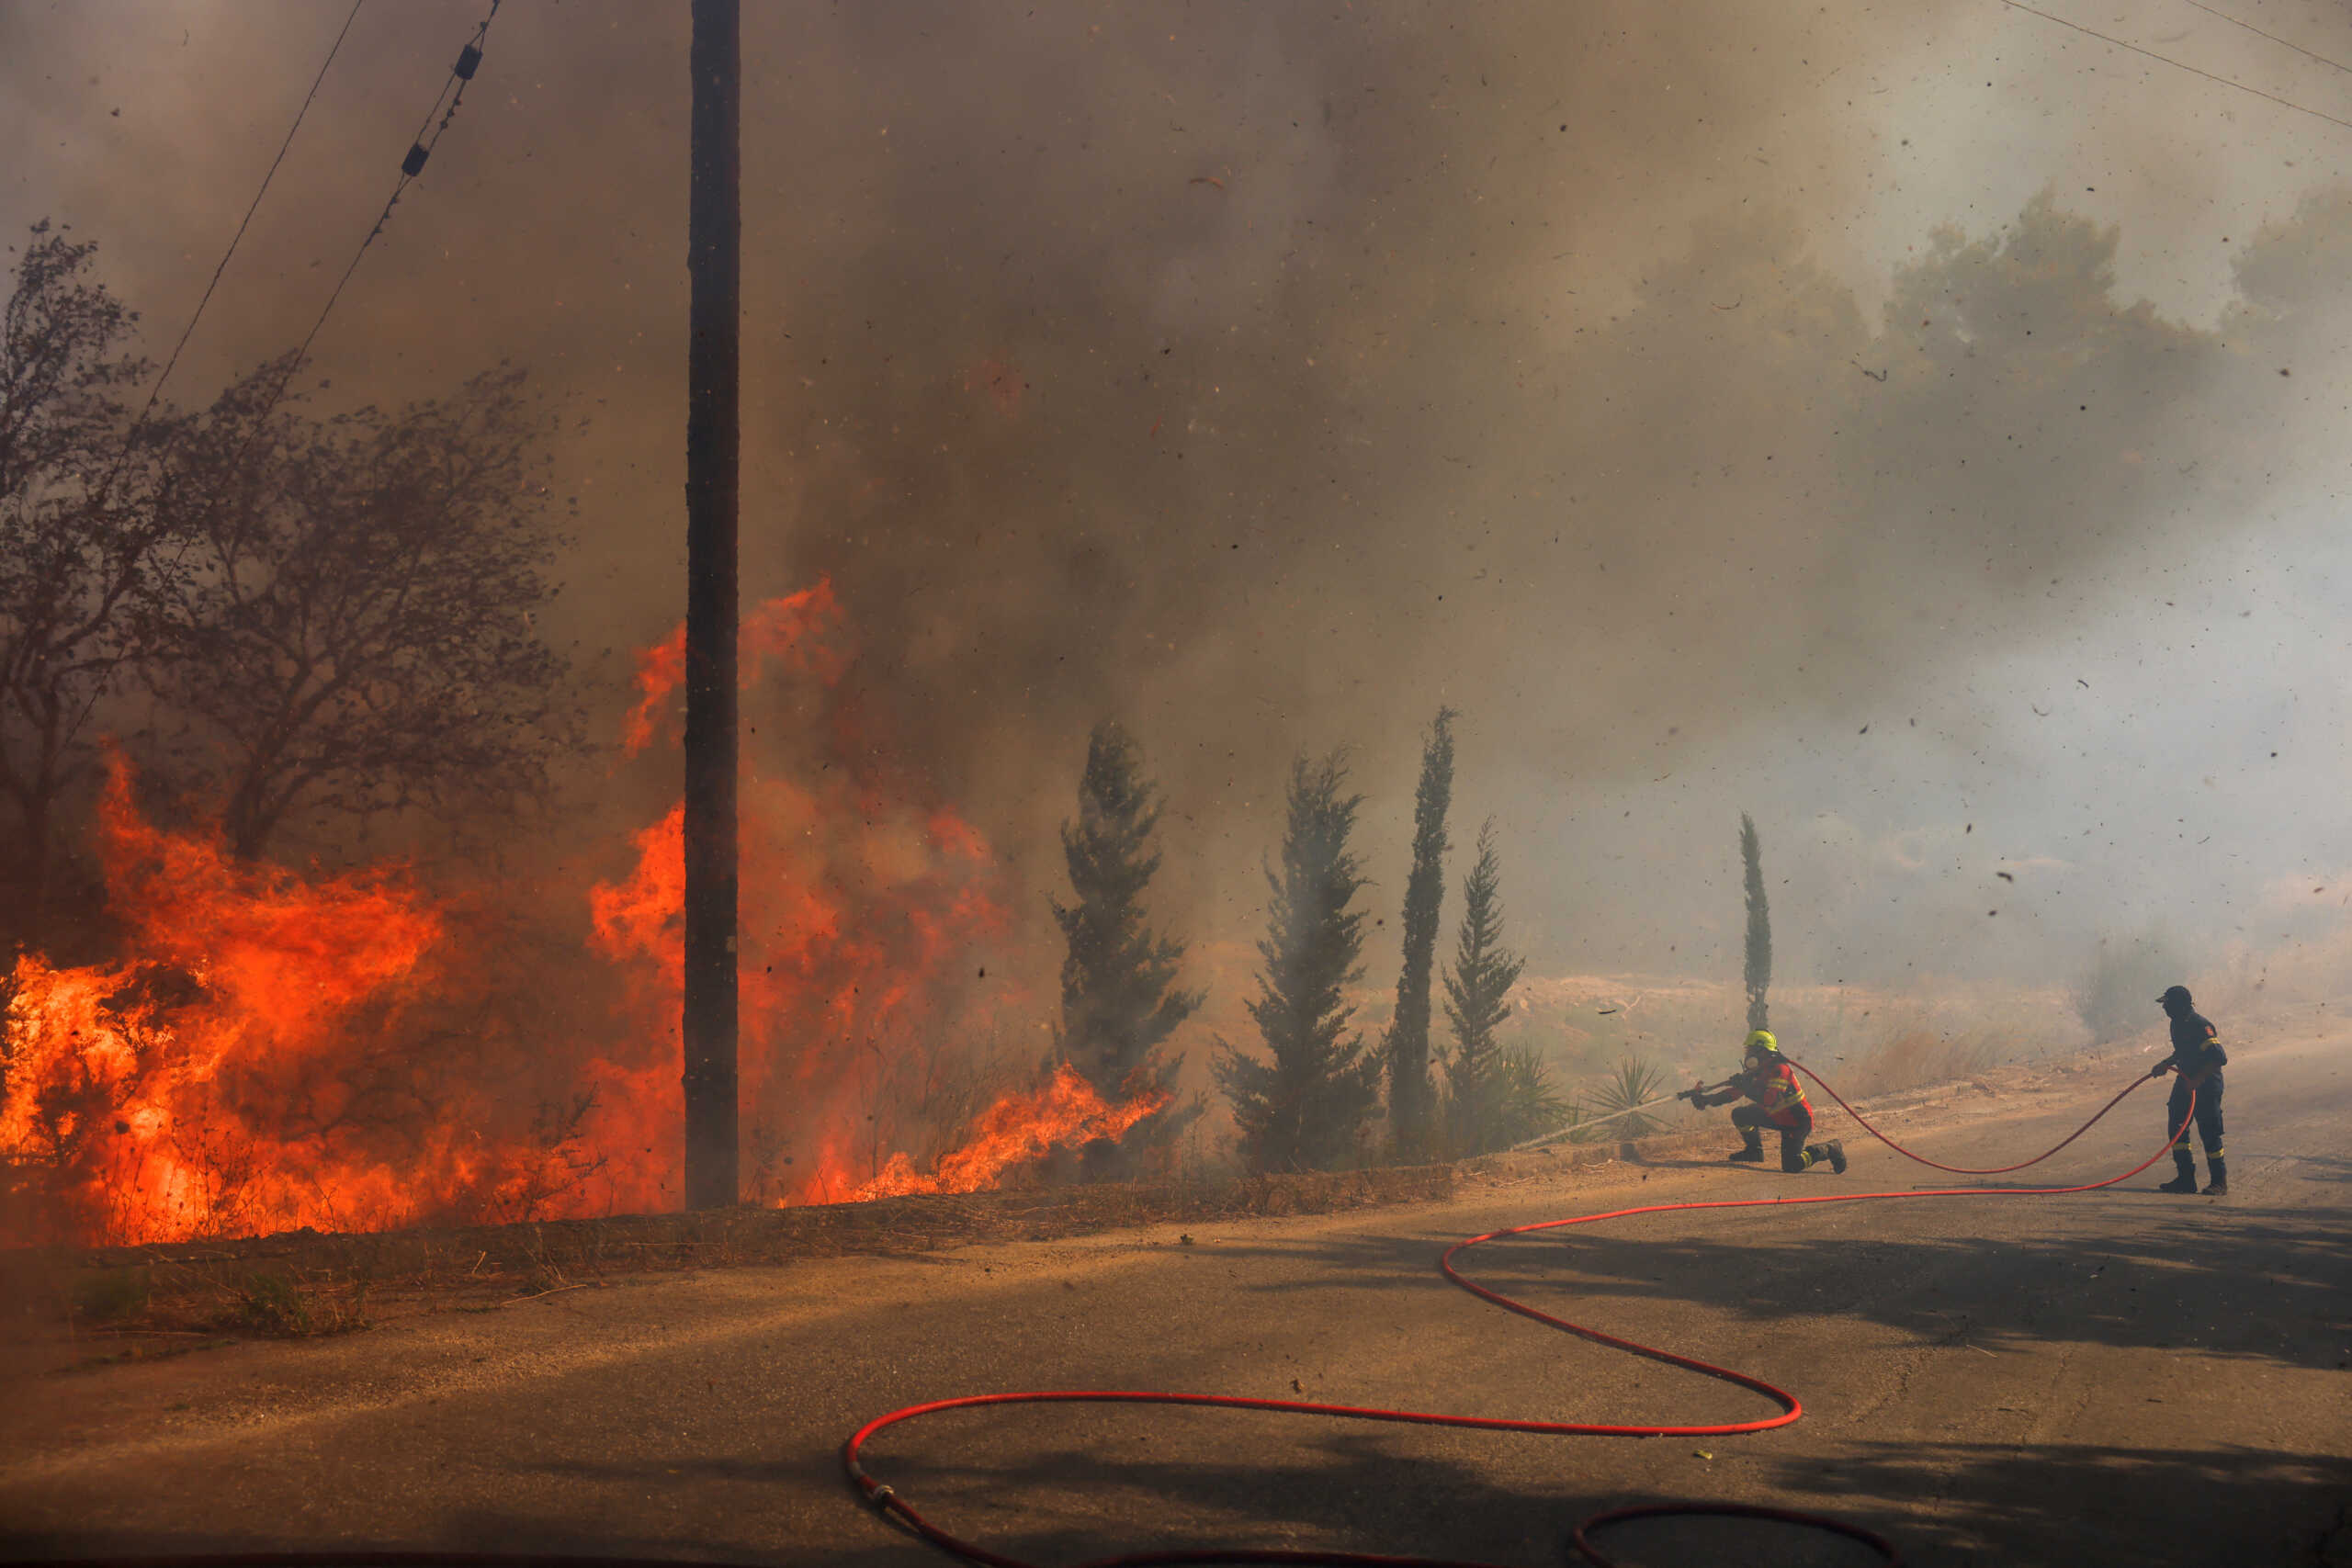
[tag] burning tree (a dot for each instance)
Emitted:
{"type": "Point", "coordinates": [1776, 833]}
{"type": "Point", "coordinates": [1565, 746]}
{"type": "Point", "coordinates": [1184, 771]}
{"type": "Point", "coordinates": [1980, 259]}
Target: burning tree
{"type": "Point", "coordinates": [1477, 1001]}
{"type": "Point", "coordinates": [1409, 1089]}
{"type": "Point", "coordinates": [348, 1050]}
{"type": "Point", "coordinates": [76, 545]}
{"type": "Point", "coordinates": [1119, 998]}
{"type": "Point", "coordinates": [871, 1065]}
{"type": "Point", "coordinates": [1304, 1106]}
{"type": "Point", "coordinates": [253, 1061]}
{"type": "Point", "coordinates": [353, 629]}
{"type": "Point", "coordinates": [1758, 969]}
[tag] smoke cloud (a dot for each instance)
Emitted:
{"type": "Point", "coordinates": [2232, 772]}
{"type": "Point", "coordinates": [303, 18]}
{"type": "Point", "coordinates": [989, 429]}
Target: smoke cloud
{"type": "Point", "coordinates": [1725, 410]}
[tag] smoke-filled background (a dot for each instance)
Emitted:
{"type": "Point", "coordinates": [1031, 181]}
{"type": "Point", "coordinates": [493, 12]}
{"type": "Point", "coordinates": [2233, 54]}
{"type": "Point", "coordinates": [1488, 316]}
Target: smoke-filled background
{"type": "Point", "coordinates": [1920, 427]}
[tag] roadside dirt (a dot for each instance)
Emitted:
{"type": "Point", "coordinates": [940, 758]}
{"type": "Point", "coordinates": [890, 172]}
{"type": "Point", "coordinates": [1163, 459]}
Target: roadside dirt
{"type": "Point", "coordinates": [2116, 1376]}
{"type": "Point", "coordinates": [86, 1308]}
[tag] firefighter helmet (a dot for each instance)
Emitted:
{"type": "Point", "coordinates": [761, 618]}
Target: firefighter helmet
{"type": "Point", "coordinates": [1761, 1044]}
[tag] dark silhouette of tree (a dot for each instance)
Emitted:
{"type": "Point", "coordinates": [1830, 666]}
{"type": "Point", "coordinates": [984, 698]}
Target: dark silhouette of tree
{"type": "Point", "coordinates": [1758, 971]}
{"type": "Point", "coordinates": [78, 540]}
{"type": "Point", "coordinates": [1120, 1001]}
{"type": "Point", "coordinates": [1477, 1001]}
{"type": "Point", "coordinates": [1411, 1092]}
{"type": "Point", "coordinates": [1304, 1105]}
{"type": "Point", "coordinates": [356, 629]}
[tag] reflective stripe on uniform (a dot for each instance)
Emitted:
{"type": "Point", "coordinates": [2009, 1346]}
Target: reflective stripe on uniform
{"type": "Point", "coordinates": [1783, 1092]}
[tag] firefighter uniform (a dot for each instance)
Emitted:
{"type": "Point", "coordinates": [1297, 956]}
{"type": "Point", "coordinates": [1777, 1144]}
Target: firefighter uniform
{"type": "Point", "coordinates": [1772, 1083]}
{"type": "Point", "coordinates": [2196, 1062]}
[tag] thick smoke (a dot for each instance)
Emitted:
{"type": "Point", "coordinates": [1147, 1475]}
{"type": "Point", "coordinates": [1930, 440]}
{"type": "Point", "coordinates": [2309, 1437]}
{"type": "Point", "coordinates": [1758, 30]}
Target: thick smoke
{"type": "Point", "coordinates": [1265, 376]}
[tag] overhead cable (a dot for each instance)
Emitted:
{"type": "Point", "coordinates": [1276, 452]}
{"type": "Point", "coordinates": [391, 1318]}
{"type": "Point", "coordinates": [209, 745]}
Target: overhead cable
{"type": "Point", "coordinates": [156, 391]}
{"type": "Point", "coordinates": [2176, 65]}
{"type": "Point", "coordinates": [2274, 37]}
{"type": "Point", "coordinates": [453, 91]}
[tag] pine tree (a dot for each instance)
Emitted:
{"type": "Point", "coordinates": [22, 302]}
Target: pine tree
{"type": "Point", "coordinates": [1759, 968]}
{"type": "Point", "coordinates": [1409, 1089]}
{"type": "Point", "coordinates": [1302, 1105]}
{"type": "Point", "coordinates": [1477, 1001]}
{"type": "Point", "coordinates": [1120, 1001]}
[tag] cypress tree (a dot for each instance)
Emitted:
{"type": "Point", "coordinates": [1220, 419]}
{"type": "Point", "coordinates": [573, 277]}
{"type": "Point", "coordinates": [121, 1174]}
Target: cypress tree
{"type": "Point", "coordinates": [1477, 1001]}
{"type": "Point", "coordinates": [1304, 1102]}
{"type": "Point", "coordinates": [1758, 971]}
{"type": "Point", "coordinates": [1120, 1001]}
{"type": "Point", "coordinates": [1410, 1091]}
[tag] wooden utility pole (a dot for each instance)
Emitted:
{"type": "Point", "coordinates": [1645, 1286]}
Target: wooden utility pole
{"type": "Point", "coordinates": [714, 269]}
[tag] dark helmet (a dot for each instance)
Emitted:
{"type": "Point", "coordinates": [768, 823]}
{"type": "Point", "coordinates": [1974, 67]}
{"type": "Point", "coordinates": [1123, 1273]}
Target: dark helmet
{"type": "Point", "coordinates": [2174, 1000]}
{"type": "Point", "coordinates": [1761, 1044]}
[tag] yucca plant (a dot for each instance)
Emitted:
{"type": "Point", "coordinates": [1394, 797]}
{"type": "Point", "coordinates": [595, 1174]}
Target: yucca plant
{"type": "Point", "coordinates": [1636, 1081]}
{"type": "Point", "coordinates": [1527, 1105]}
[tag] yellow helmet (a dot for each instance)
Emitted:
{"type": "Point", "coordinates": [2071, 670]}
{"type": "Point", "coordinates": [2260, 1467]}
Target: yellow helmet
{"type": "Point", "coordinates": [1760, 1043]}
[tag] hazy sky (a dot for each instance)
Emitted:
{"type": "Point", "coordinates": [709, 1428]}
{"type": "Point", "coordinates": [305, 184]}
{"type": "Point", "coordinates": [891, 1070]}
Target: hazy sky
{"type": "Point", "coordinates": [1676, 389]}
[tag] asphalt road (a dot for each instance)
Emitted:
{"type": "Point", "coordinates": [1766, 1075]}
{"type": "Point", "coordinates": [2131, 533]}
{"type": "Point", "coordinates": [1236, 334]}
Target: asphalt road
{"type": "Point", "coordinates": [2120, 1377]}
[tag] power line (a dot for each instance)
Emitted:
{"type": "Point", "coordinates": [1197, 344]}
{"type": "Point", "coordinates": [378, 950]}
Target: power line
{"type": "Point", "coordinates": [2179, 65]}
{"type": "Point", "coordinates": [420, 150]}
{"type": "Point", "coordinates": [157, 390]}
{"type": "Point", "coordinates": [2274, 37]}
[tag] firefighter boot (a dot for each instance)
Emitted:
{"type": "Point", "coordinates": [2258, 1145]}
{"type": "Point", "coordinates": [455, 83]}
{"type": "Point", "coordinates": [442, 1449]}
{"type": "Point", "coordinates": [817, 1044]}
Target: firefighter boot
{"type": "Point", "coordinates": [2220, 1186]}
{"type": "Point", "coordinates": [1751, 1152]}
{"type": "Point", "coordinates": [1835, 1153]}
{"type": "Point", "coordinates": [2186, 1181]}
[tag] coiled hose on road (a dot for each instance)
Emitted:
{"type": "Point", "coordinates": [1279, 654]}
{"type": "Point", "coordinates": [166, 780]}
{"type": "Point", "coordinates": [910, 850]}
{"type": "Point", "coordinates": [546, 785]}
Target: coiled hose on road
{"type": "Point", "coordinates": [887, 1500]}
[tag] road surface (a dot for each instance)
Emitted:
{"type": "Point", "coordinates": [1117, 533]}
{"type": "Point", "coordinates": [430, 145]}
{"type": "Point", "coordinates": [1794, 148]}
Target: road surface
{"type": "Point", "coordinates": [2120, 1377]}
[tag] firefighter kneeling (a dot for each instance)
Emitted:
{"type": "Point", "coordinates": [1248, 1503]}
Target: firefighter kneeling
{"type": "Point", "coordinates": [1780, 1102]}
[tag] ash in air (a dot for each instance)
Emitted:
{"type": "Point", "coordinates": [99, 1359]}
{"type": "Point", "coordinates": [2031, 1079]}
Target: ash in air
{"type": "Point", "coordinates": [1721, 413]}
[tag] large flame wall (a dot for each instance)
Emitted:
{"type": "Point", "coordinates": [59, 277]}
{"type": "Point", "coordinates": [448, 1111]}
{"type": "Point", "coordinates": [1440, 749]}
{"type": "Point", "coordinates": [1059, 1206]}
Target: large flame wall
{"type": "Point", "coordinates": [271, 1051]}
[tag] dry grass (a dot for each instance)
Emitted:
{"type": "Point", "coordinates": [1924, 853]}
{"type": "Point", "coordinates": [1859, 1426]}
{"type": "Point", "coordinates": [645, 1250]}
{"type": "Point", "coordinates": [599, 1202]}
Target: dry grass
{"type": "Point", "coordinates": [1865, 1042]}
{"type": "Point", "coordinates": [1919, 1056]}
{"type": "Point", "coordinates": [307, 1283]}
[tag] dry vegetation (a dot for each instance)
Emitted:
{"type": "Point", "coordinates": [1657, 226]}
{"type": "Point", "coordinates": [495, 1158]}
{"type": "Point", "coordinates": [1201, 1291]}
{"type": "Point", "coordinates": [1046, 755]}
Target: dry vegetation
{"type": "Point", "coordinates": [1866, 1042]}
{"type": "Point", "coordinates": [121, 1301]}
{"type": "Point", "coordinates": [109, 1302]}
{"type": "Point", "coordinates": [1584, 1027]}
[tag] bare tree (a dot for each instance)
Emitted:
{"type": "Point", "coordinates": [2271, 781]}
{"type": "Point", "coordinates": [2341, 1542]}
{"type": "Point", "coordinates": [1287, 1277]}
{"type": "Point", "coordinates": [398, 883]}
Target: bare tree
{"type": "Point", "coordinates": [77, 539]}
{"type": "Point", "coordinates": [354, 625]}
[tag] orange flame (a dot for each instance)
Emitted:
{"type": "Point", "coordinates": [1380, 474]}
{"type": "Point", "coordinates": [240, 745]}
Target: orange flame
{"type": "Point", "coordinates": [1017, 1129]}
{"type": "Point", "coordinates": [154, 1093]}
{"type": "Point", "coordinates": [861, 910]}
{"type": "Point", "coordinates": [798, 630]}
{"type": "Point", "coordinates": [271, 1051]}
{"type": "Point", "coordinates": [854, 930]}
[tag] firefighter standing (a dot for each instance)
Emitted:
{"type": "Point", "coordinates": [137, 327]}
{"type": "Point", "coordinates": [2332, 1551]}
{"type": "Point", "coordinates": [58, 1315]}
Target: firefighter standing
{"type": "Point", "coordinates": [2197, 1061]}
{"type": "Point", "coordinates": [1772, 1083]}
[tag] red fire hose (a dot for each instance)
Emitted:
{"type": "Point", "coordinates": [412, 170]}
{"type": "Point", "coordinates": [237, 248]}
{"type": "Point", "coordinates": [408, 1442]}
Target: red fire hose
{"type": "Point", "coordinates": [1990, 1170]}
{"type": "Point", "coordinates": [887, 1501]}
